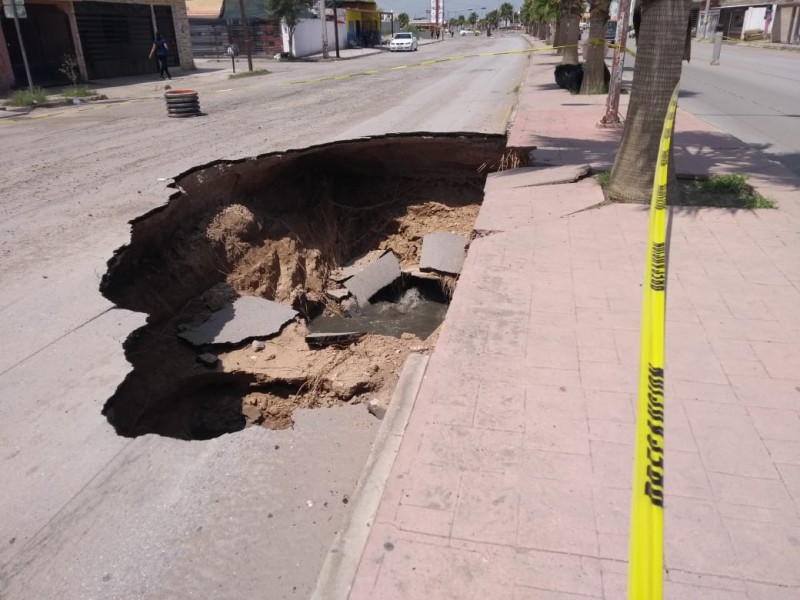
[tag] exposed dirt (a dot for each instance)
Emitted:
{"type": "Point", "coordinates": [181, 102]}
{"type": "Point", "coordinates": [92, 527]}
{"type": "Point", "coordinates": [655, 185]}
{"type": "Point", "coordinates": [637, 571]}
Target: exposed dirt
{"type": "Point", "coordinates": [279, 237]}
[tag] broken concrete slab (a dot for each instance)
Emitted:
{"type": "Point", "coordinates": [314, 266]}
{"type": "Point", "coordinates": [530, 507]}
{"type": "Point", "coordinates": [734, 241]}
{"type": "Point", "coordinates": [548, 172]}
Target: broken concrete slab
{"type": "Point", "coordinates": [443, 252]}
{"type": "Point", "coordinates": [354, 267]}
{"type": "Point", "coordinates": [338, 295]}
{"type": "Point", "coordinates": [374, 278]}
{"type": "Point", "coordinates": [536, 176]}
{"type": "Point", "coordinates": [247, 317]}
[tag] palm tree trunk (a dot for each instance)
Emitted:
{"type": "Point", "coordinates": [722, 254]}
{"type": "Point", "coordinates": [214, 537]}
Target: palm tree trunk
{"type": "Point", "coordinates": [594, 58]}
{"type": "Point", "coordinates": [573, 32]}
{"type": "Point", "coordinates": [561, 26]}
{"type": "Point", "coordinates": [657, 72]}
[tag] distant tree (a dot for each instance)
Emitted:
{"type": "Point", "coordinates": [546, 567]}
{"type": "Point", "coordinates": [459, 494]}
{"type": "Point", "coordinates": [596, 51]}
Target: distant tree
{"type": "Point", "coordinates": [492, 18]}
{"type": "Point", "coordinates": [462, 20]}
{"type": "Point", "coordinates": [507, 12]}
{"type": "Point", "coordinates": [290, 12]}
{"type": "Point", "coordinates": [545, 14]}
{"type": "Point", "coordinates": [403, 19]}
{"type": "Point", "coordinates": [473, 18]}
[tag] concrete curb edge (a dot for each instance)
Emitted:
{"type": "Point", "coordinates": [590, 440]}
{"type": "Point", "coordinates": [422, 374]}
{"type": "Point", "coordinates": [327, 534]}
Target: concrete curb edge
{"type": "Point", "coordinates": [336, 576]}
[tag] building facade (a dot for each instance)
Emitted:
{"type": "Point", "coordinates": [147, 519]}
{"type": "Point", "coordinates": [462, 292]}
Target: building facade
{"type": "Point", "coordinates": [751, 20]}
{"type": "Point", "coordinates": [112, 38]}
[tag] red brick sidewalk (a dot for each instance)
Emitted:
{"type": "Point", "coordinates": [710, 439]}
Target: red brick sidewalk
{"type": "Point", "coordinates": [513, 477]}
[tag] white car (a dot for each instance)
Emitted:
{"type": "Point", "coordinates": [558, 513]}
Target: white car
{"type": "Point", "coordinates": [468, 32]}
{"type": "Point", "coordinates": [403, 41]}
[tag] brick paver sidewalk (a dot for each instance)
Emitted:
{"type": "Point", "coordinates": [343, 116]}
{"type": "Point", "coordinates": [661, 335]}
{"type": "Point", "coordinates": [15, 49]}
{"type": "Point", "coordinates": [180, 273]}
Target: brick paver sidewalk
{"type": "Point", "coordinates": [513, 478]}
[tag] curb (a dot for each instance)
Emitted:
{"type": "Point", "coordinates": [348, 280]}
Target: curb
{"type": "Point", "coordinates": [336, 576]}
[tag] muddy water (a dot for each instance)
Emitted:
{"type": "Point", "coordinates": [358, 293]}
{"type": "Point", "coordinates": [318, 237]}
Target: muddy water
{"type": "Point", "coordinates": [412, 313]}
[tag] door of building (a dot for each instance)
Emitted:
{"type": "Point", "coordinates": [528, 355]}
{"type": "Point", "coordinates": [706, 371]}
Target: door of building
{"type": "Point", "coordinates": [47, 38]}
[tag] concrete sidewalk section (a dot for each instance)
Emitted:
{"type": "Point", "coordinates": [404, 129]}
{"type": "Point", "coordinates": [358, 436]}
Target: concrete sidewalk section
{"type": "Point", "coordinates": [513, 478]}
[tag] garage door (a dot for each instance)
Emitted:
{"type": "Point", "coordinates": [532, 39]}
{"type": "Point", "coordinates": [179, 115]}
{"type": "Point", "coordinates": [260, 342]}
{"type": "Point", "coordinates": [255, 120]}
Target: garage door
{"type": "Point", "coordinates": [117, 38]}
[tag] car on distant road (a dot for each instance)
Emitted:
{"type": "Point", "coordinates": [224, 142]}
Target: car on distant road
{"type": "Point", "coordinates": [403, 42]}
{"type": "Point", "coordinates": [468, 32]}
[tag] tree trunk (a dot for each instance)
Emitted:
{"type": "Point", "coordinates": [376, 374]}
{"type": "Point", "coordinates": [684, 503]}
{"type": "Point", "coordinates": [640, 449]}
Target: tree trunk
{"type": "Point", "coordinates": [572, 34]}
{"type": "Point", "coordinates": [658, 69]}
{"type": "Point", "coordinates": [561, 26]}
{"type": "Point", "coordinates": [594, 57]}
{"type": "Point", "coordinates": [558, 36]}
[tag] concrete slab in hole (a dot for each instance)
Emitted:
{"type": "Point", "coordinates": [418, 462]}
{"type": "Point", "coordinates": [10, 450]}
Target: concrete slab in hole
{"type": "Point", "coordinates": [356, 266]}
{"type": "Point", "coordinates": [443, 252]}
{"type": "Point", "coordinates": [375, 277]}
{"type": "Point", "coordinates": [247, 317]}
{"type": "Point", "coordinates": [534, 176]}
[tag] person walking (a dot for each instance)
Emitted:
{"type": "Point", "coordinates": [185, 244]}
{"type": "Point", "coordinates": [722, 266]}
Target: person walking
{"type": "Point", "coordinates": [160, 50]}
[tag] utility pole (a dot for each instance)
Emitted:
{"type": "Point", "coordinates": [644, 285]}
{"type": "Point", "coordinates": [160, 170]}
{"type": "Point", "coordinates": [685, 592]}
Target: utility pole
{"type": "Point", "coordinates": [336, 28]}
{"type": "Point", "coordinates": [615, 85]}
{"type": "Point", "coordinates": [21, 44]}
{"type": "Point", "coordinates": [246, 30]}
{"type": "Point", "coordinates": [324, 20]}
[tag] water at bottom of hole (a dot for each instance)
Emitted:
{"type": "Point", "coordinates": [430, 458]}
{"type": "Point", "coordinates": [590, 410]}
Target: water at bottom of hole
{"type": "Point", "coordinates": [412, 313]}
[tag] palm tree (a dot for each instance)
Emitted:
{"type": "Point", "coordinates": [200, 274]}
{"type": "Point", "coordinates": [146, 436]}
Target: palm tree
{"type": "Point", "coordinates": [527, 16]}
{"type": "Point", "coordinates": [462, 20]}
{"type": "Point", "coordinates": [660, 49]}
{"type": "Point", "coordinates": [545, 13]}
{"type": "Point", "coordinates": [506, 12]}
{"type": "Point", "coordinates": [403, 19]}
{"type": "Point", "coordinates": [594, 55]}
{"type": "Point", "coordinates": [492, 18]}
{"type": "Point", "coordinates": [473, 18]}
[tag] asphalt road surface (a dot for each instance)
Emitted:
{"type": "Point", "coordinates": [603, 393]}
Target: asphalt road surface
{"type": "Point", "coordinates": [88, 514]}
{"type": "Point", "coordinates": [753, 94]}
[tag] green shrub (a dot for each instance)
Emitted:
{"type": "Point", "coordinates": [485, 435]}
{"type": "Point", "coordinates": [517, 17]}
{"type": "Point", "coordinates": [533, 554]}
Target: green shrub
{"type": "Point", "coordinates": [724, 191]}
{"type": "Point", "coordinates": [253, 73]}
{"type": "Point", "coordinates": [27, 97]}
{"type": "Point", "coordinates": [77, 91]}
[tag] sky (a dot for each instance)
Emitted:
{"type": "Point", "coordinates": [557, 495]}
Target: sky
{"type": "Point", "coordinates": [452, 8]}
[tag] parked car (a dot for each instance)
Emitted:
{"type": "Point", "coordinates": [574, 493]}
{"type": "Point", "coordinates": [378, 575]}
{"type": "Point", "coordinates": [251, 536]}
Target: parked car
{"type": "Point", "coordinates": [468, 32]}
{"type": "Point", "coordinates": [403, 42]}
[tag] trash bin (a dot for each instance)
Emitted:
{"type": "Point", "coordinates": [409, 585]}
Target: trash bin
{"type": "Point", "coordinates": [182, 103]}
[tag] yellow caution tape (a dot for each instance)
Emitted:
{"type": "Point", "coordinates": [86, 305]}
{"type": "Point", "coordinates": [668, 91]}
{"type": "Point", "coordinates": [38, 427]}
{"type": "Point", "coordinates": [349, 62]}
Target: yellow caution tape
{"type": "Point", "coordinates": [646, 552]}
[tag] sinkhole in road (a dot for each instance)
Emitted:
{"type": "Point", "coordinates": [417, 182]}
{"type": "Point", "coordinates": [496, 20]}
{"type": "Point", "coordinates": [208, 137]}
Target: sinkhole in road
{"type": "Point", "coordinates": [282, 226]}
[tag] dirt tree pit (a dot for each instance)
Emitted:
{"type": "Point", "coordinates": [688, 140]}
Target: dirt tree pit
{"type": "Point", "coordinates": [281, 226]}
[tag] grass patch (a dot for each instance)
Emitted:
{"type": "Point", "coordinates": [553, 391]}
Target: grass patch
{"type": "Point", "coordinates": [243, 74]}
{"type": "Point", "coordinates": [603, 177]}
{"type": "Point", "coordinates": [27, 97]}
{"type": "Point", "coordinates": [77, 91]}
{"type": "Point", "coordinates": [723, 191]}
